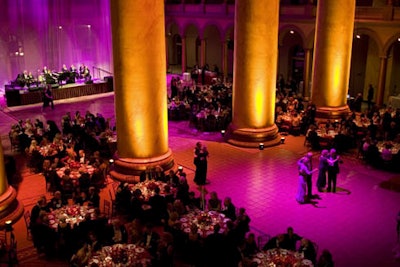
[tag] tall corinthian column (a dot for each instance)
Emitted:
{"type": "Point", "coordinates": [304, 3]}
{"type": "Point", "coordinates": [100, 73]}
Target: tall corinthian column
{"type": "Point", "coordinates": [10, 208]}
{"type": "Point", "coordinates": [138, 35]}
{"type": "Point", "coordinates": [332, 57]}
{"type": "Point", "coordinates": [254, 78]}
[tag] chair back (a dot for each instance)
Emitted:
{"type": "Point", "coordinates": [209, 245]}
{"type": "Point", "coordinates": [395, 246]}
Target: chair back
{"type": "Point", "coordinates": [27, 219]}
{"type": "Point", "coordinates": [107, 208]}
{"type": "Point", "coordinates": [262, 240]}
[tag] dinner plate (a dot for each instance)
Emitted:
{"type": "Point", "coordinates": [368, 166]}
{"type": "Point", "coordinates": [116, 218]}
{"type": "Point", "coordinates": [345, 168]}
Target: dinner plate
{"type": "Point", "coordinates": [307, 262]}
{"type": "Point", "coordinates": [186, 230]}
{"type": "Point", "coordinates": [139, 250]}
{"type": "Point", "coordinates": [185, 225]}
{"type": "Point", "coordinates": [52, 221]}
{"type": "Point", "coordinates": [131, 246]}
{"type": "Point", "coordinates": [256, 260]}
{"type": "Point", "coordinates": [50, 216]}
{"type": "Point", "coordinates": [183, 219]}
{"type": "Point", "coordinates": [260, 255]}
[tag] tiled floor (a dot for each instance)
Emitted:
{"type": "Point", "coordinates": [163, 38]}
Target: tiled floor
{"type": "Point", "coordinates": [357, 224]}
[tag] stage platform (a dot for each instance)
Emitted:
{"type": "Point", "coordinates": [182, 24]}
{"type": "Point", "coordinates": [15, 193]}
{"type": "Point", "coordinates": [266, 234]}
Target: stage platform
{"type": "Point", "coordinates": [25, 96]}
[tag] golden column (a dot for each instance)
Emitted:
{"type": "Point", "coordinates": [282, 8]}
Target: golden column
{"type": "Point", "coordinates": [225, 59]}
{"type": "Point", "coordinates": [254, 78]}
{"type": "Point", "coordinates": [381, 81]}
{"type": "Point", "coordinates": [202, 53]}
{"type": "Point", "coordinates": [183, 53]}
{"type": "Point", "coordinates": [10, 208]}
{"type": "Point", "coordinates": [307, 70]}
{"type": "Point", "coordinates": [138, 36]}
{"type": "Point", "coordinates": [332, 57]}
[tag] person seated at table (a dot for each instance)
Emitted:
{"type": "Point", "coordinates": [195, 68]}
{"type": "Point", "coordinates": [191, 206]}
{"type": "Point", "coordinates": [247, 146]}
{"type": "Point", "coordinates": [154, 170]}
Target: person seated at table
{"type": "Point", "coordinates": [123, 198]}
{"type": "Point", "coordinates": [67, 184]}
{"type": "Point", "coordinates": [158, 206]}
{"type": "Point", "coordinates": [193, 249]}
{"type": "Point", "coordinates": [82, 199]}
{"type": "Point", "coordinates": [215, 248]}
{"type": "Point", "coordinates": [41, 206]}
{"type": "Point", "coordinates": [94, 242]}
{"type": "Point", "coordinates": [229, 209]}
{"type": "Point", "coordinates": [172, 179]}
{"type": "Point", "coordinates": [242, 223]}
{"type": "Point", "coordinates": [150, 239]}
{"type": "Point", "coordinates": [84, 181]}
{"type": "Point", "coordinates": [275, 242]}
{"type": "Point", "coordinates": [70, 155]}
{"type": "Point", "coordinates": [308, 249]}
{"type": "Point", "coordinates": [290, 239]}
{"type": "Point", "coordinates": [214, 203]}
{"type": "Point", "coordinates": [44, 236]}
{"type": "Point", "coordinates": [119, 235]}
{"type": "Point", "coordinates": [93, 197]}
{"type": "Point", "coordinates": [81, 157]}
{"type": "Point", "coordinates": [57, 201]}
{"type": "Point", "coordinates": [193, 201]}
{"type": "Point", "coordinates": [182, 190]}
{"type": "Point", "coordinates": [169, 196]}
{"type": "Point", "coordinates": [250, 247]}
{"type": "Point", "coordinates": [325, 260]}
{"type": "Point", "coordinates": [82, 256]}
{"type": "Point", "coordinates": [386, 153]}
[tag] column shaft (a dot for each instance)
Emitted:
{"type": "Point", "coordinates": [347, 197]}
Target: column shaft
{"type": "Point", "coordinates": [203, 53]}
{"type": "Point", "coordinates": [254, 79]}
{"type": "Point", "coordinates": [332, 57]}
{"type": "Point", "coordinates": [140, 85]}
{"type": "Point", "coordinates": [307, 72]}
{"type": "Point", "coordinates": [225, 59]}
{"type": "Point", "coordinates": [381, 81]}
{"type": "Point", "coordinates": [183, 41]}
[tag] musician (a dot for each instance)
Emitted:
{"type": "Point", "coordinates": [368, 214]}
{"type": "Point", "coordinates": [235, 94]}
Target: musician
{"type": "Point", "coordinates": [86, 74]}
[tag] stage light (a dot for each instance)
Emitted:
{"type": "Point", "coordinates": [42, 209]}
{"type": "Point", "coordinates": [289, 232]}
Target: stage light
{"type": "Point", "coordinates": [222, 132]}
{"type": "Point", "coordinates": [261, 146]}
{"type": "Point", "coordinates": [283, 140]}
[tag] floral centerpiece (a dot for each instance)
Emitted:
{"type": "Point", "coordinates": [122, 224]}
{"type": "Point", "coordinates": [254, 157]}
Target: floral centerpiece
{"type": "Point", "coordinates": [204, 219]}
{"type": "Point", "coordinates": [74, 165]}
{"type": "Point", "coordinates": [152, 186]}
{"type": "Point", "coordinates": [72, 211]}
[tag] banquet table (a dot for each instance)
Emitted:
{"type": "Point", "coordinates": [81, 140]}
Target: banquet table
{"type": "Point", "coordinates": [147, 188]}
{"type": "Point", "coordinates": [121, 255]}
{"type": "Point", "coordinates": [204, 220]}
{"type": "Point", "coordinates": [281, 257]}
{"type": "Point", "coordinates": [73, 215]}
{"type": "Point", "coordinates": [50, 150]}
{"type": "Point", "coordinates": [394, 149]}
{"type": "Point", "coordinates": [76, 170]}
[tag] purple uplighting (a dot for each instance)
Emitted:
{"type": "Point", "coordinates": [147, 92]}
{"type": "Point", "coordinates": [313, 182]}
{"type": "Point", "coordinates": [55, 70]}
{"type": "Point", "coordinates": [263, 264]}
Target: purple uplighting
{"type": "Point", "coordinates": [38, 33]}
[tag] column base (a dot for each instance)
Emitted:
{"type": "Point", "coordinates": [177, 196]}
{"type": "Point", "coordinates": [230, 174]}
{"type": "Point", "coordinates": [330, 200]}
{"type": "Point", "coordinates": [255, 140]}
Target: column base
{"type": "Point", "coordinates": [325, 113]}
{"type": "Point", "coordinates": [251, 138]}
{"type": "Point", "coordinates": [10, 208]}
{"type": "Point", "coordinates": [128, 170]}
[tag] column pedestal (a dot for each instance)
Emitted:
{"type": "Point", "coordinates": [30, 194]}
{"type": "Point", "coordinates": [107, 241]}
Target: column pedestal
{"type": "Point", "coordinates": [128, 169]}
{"type": "Point", "coordinates": [251, 138]}
{"type": "Point", "coordinates": [10, 208]}
{"type": "Point", "coordinates": [332, 112]}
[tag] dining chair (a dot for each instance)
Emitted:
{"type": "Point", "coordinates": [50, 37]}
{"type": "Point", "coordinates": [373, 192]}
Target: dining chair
{"type": "Point", "coordinates": [107, 209]}
{"type": "Point", "coordinates": [27, 219]}
{"type": "Point", "coordinates": [262, 240]}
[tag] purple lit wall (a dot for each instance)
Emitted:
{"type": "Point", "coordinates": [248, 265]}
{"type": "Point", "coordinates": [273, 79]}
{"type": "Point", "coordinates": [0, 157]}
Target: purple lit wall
{"type": "Point", "coordinates": [38, 33]}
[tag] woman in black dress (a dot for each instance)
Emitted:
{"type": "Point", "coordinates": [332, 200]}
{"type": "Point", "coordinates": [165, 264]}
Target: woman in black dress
{"type": "Point", "coordinates": [200, 160]}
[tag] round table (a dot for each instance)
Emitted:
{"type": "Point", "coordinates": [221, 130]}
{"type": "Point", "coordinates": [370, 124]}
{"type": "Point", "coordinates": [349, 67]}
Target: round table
{"type": "Point", "coordinates": [122, 255]}
{"type": "Point", "coordinates": [281, 257]}
{"type": "Point", "coordinates": [204, 220]}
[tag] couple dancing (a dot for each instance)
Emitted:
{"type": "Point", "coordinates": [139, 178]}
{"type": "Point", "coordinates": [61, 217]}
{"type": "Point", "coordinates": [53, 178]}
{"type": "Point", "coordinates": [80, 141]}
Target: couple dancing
{"type": "Point", "coordinates": [328, 162]}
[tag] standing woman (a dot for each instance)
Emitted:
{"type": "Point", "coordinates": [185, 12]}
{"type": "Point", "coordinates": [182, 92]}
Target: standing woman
{"type": "Point", "coordinates": [304, 171]}
{"type": "Point", "coordinates": [200, 160]}
{"type": "Point", "coordinates": [47, 97]}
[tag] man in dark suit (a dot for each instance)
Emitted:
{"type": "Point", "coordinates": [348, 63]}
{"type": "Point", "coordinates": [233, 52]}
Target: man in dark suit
{"type": "Point", "coordinates": [158, 206]}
